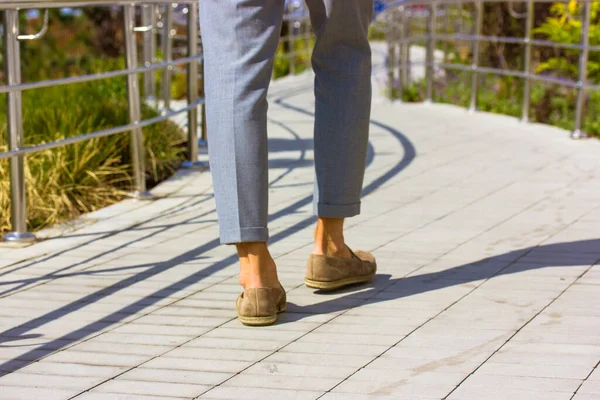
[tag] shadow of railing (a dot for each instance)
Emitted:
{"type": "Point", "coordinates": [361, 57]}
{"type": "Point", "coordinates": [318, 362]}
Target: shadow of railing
{"type": "Point", "coordinates": [568, 254]}
{"type": "Point", "coordinates": [22, 331]}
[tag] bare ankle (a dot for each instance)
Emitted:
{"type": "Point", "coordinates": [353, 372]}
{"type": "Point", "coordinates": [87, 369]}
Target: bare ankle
{"type": "Point", "coordinates": [257, 267]}
{"type": "Point", "coordinates": [329, 238]}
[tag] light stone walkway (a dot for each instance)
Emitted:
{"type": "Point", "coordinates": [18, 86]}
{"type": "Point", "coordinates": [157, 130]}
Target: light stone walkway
{"type": "Point", "coordinates": [487, 233]}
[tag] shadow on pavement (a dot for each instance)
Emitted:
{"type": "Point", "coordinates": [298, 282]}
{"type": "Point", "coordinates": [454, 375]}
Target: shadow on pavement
{"type": "Point", "coordinates": [383, 288]}
{"type": "Point", "coordinates": [21, 332]}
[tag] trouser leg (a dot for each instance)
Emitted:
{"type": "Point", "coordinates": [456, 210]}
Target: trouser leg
{"type": "Point", "coordinates": [342, 65]}
{"type": "Point", "coordinates": [240, 38]}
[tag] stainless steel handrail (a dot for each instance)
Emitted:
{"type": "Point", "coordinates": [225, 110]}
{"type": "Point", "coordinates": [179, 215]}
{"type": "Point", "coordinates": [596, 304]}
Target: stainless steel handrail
{"type": "Point", "coordinates": [14, 89]}
{"type": "Point", "coordinates": [397, 17]}
{"type": "Point", "coordinates": [20, 4]}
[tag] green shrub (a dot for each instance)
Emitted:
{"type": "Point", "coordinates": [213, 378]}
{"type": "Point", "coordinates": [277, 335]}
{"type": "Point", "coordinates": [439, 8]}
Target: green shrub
{"type": "Point", "coordinates": [564, 26]}
{"type": "Point", "coordinates": [303, 50]}
{"type": "Point", "coordinates": [67, 181]}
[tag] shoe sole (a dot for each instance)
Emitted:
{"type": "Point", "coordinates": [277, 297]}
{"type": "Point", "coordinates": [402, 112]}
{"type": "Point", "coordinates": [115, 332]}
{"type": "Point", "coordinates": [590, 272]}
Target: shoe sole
{"type": "Point", "coordinates": [262, 321]}
{"type": "Point", "coordinates": [338, 284]}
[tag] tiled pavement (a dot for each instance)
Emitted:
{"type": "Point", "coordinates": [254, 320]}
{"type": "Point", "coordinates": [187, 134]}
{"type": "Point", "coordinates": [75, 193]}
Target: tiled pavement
{"type": "Point", "coordinates": [487, 233]}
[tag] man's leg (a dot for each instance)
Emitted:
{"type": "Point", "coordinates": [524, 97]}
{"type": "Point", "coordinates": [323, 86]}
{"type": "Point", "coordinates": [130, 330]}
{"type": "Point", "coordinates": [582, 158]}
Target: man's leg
{"type": "Point", "coordinates": [240, 38]}
{"type": "Point", "coordinates": [342, 64]}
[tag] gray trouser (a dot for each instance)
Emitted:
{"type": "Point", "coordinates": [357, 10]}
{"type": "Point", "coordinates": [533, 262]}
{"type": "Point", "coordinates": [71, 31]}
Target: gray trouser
{"type": "Point", "coordinates": [240, 38]}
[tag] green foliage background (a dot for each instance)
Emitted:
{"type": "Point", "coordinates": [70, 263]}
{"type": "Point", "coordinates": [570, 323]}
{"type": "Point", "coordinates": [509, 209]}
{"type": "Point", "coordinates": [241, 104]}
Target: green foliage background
{"type": "Point", "coordinates": [64, 182]}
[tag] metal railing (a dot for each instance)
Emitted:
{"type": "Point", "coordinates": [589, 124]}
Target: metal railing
{"type": "Point", "coordinates": [409, 22]}
{"type": "Point", "coordinates": [398, 19]}
{"type": "Point", "coordinates": [14, 88]}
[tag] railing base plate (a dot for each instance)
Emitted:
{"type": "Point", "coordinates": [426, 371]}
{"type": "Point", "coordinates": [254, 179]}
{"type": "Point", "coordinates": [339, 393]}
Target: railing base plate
{"type": "Point", "coordinates": [20, 237]}
{"type": "Point", "coordinates": [141, 195]}
{"type": "Point", "coordinates": [578, 134]}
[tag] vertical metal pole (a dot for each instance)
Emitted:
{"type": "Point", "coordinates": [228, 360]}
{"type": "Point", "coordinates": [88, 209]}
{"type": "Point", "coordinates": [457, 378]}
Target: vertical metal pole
{"type": "Point", "coordinates": [135, 113]}
{"type": "Point", "coordinates": [447, 30]}
{"type": "Point", "coordinates": [192, 86]}
{"type": "Point", "coordinates": [14, 113]}
{"type": "Point", "coordinates": [430, 56]}
{"type": "Point", "coordinates": [476, 49]}
{"type": "Point", "coordinates": [149, 46]}
{"type": "Point", "coordinates": [527, 69]}
{"type": "Point", "coordinates": [402, 84]}
{"type": "Point", "coordinates": [291, 41]}
{"type": "Point", "coordinates": [391, 64]}
{"type": "Point", "coordinates": [167, 48]}
{"type": "Point", "coordinates": [307, 34]}
{"type": "Point", "coordinates": [578, 133]}
{"type": "Point", "coordinates": [203, 142]}
{"type": "Point", "coordinates": [406, 56]}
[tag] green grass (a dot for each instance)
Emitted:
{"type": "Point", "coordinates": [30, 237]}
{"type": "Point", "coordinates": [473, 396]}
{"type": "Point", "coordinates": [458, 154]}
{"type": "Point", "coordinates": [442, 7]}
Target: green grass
{"type": "Point", "coordinates": [65, 182]}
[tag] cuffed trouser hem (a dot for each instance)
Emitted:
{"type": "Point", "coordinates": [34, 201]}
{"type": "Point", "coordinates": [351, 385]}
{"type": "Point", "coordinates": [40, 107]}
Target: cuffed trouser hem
{"type": "Point", "coordinates": [241, 235]}
{"type": "Point", "coordinates": [336, 210]}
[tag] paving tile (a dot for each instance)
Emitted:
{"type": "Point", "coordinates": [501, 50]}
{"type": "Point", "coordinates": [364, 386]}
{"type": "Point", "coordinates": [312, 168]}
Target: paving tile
{"type": "Point", "coordinates": [505, 393]}
{"type": "Point", "coordinates": [590, 387]}
{"type": "Point", "coordinates": [133, 338]}
{"type": "Point", "coordinates": [519, 357]}
{"type": "Point", "coordinates": [80, 383]}
{"type": "Point", "coordinates": [67, 369]}
{"type": "Point", "coordinates": [122, 396]}
{"type": "Point", "coordinates": [231, 333]}
{"type": "Point", "coordinates": [270, 368]}
{"type": "Point", "coordinates": [325, 360]}
{"type": "Point", "coordinates": [245, 393]}
{"type": "Point", "coordinates": [218, 354]}
{"type": "Point", "coordinates": [24, 393]}
{"type": "Point", "coordinates": [398, 388]}
{"type": "Point", "coordinates": [190, 364]}
{"type": "Point", "coordinates": [163, 389]}
{"type": "Point", "coordinates": [236, 344]}
{"type": "Point", "coordinates": [120, 348]}
{"type": "Point", "coordinates": [175, 376]}
{"type": "Point", "coordinates": [99, 359]}
{"type": "Point", "coordinates": [272, 381]}
{"type": "Point", "coordinates": [523, 383]}
{"type": "Point", "coordinates": [332, 348]}
{"type": "Point", "coordinates": [355, 338]}
{"type": "Point", "coordinates": [585, 396]}
{"type": "Point", "coordinates": [540, 371]}
{"type": "Point", "coordinates": [352, 396]}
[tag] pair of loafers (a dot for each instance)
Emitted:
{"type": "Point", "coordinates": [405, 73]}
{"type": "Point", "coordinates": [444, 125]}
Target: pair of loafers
{"type": "Point", "coordinates": [260, 306]}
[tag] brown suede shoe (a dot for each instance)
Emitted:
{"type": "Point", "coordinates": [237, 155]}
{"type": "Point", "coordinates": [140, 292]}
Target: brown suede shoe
{"type": "Point", "coordinates": [260, 306]}
{"type": "Point", "coordinates": [329, 273]}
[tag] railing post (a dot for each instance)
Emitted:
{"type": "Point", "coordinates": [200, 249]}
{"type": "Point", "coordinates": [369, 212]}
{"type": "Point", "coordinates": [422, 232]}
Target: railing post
{"type": "Point", "coordinates": [430, 52]}
{"type": "Point", "coordinates": [578, 132]}
{"type": "Point", "coordinates": [307, 35]}
{"type": "Point", "coordinates": [14, 112]}
{"type": "Point", "coordinates": [476, 49]}
{"type": "Point", "coordinates": [391, 57]}
{"type": "Point", "coordinates": [402, 83]}
{"type": "Point", "coordinates": [149, 46]}
{"type": "Point", "coordinates": [167, 49]}
{"type": "Point", "coordinates": [290, 39]}
{"type": "Point", "coordinates": [405, 55]}
{"type": "Point", "coordinates": [192, 86]}
{"type": "Point", "coordinates": [203, 142]}
{"type": "Point", "coordinates": [135, 113]}
{"type": "Point", "coordinates": [527, 69]}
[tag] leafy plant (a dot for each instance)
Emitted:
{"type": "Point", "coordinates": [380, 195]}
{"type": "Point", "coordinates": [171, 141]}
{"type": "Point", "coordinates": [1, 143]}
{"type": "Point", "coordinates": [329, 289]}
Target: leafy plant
{"type": "Point", "coordinates": [564, 26]}
{"type": "Point", "coordinates": [67, 181]}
